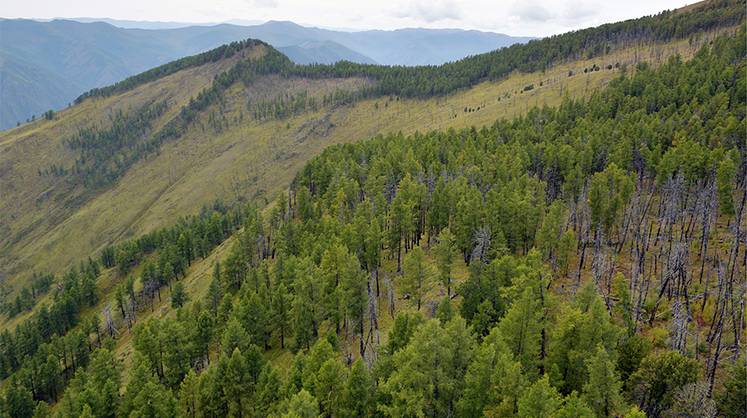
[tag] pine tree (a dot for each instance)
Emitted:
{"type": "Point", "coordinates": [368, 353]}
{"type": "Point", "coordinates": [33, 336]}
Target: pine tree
{"type": "Point", "coordinates": [329, 385]}
{"type": "Point", "coordinates": [302, 405]}
{"type": "Point", "coordinates": [732, 399]}
{"type": "Point", "coordinates": [574, 407]}
{"type": "Point", "coordinates": [357, 392]}
{"type": "Point", "coordinates": [189, 396]}
{"type": "Point", "coordinates": [214, 291]}
{"type": "Point", "coordinates": [724, 180]}
{"type": "Point", "coordinates": [540, 401]}
{"type": "Point", "coordinates": [602, 391]}
{"type": "Point", "coordinates": [429, 372]}
{"type": "Point", "coordinates": [235, 336]}
{"type": "Point", "coordinates": [416, 275]}
{"type": "Point", "coordinates": [445, 251]}
{"type": "Point", "coordinates": [280, 312]}
{"type": "Point", "coordinates": [18, 400]}
{"type": "Point", "coordinates": [521, 328]}
{"type": "Point", "coordinates": [178, 296]}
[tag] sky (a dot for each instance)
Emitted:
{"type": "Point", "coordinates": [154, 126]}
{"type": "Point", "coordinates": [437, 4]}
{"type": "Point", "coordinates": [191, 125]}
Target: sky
{"type": "Point", "coordinates": [513, 17]}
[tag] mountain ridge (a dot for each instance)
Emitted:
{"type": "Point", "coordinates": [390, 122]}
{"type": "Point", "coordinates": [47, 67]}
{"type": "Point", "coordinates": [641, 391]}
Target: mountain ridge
{"type": "Point", "coordinates": [95, 54]}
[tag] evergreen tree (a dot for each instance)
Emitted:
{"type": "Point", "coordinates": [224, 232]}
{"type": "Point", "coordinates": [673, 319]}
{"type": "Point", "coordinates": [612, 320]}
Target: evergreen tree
{"type": "Point", "coordinates": [416, 275]}
{"type": "Point", "coordinates": [357, 392]}
{"type": "Point", "coordinates": [521, 328]}
{"type": "Point", "coordinates": [444, 251]}
{"type": "Point", "coordinates": [178, 296]}
{"type": "Point", "coordinates": [540, 400]}
{"type": "Point", "coordinates": [302, 405]}
{"type": "Point", "coordinates": [602, 391]}
{"type": "Point", "coordinates": [724, 180]}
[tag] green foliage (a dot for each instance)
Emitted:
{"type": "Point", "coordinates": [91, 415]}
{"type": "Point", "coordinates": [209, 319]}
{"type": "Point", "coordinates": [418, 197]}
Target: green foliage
{"type": "Point", "coordinates": [660, 375]}
{"type": "Point", "coordinates": [732, 398]}
{"type": "Point", "coordinates": [521, 328]}
{"type": "Point", "coordinates": [178, 296]}
{"type": "Point", "coordinates": [429, 372]}
{"type": "Point", "coordinates": [575, 339]}
{"type": "Point", "coordinates": [417, 274]}
{"type": "Point", "coordinates": [356, 396]}
{"type": "Point", "coordinates": [574, 407]}
{"type": "Point", "coordinates": [602, 391]}
{"type": "Point", "coordinates": [302, 405]}
{"type": "Point", "coordinates": [540, 400]}
{"type": "Point", "coordinates": [724, 180]}
{"type": "Point", "coordinates": [494, 381]}
{"type": "Point", "coordinates": [608, 194]}
{"type": "Point", "coordinates": [444, 252]}
{"type": "Point", "coordinates": [105, 154]}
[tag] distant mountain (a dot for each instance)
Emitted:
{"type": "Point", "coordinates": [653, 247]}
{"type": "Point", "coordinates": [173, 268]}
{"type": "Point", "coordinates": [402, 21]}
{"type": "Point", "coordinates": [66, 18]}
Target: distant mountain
{"type": "Point", "coordinates": [141, 24]}
{"type": "Point", "coordinates": [395, 47]}
{"type": "Point", "coordinates": [45, 65]}
{"type": "Point", "coordinates": [322, 52]}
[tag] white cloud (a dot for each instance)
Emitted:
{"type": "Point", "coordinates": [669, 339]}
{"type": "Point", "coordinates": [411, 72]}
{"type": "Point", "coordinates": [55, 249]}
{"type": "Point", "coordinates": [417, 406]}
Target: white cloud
{"type": "Point", "coordinates": [428, 10]}
{"type": "Point", "coordinates": [580, 9]}
{"type": "Point", "coordinates": [531, 11]}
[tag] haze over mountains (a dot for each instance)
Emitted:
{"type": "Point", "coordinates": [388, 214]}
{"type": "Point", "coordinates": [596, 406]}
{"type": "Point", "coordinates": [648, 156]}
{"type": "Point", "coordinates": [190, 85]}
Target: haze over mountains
{"type": "Point", "coordinates": [45, 65]}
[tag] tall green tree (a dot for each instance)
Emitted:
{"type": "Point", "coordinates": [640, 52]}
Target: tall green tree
{"type": "Point", "coordinates": [417, 273]}
{"type": "Point", "coordinates": [541, 400]}
{"type": "Point", "coordinates": [445, 251]}
{"type": "Point", "coordinates": [602, 390]}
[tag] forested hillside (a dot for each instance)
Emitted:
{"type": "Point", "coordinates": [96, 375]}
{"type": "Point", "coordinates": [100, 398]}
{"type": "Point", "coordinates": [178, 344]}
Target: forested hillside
{"type": "Point", "coordinates": [237, 122]}
{"type": "Point", "coordinates": [585, 259]}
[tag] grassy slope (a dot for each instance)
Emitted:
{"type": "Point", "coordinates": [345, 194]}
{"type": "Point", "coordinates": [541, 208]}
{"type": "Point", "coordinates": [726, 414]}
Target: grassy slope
{"type": "Point", "coordinates": [248, 160]}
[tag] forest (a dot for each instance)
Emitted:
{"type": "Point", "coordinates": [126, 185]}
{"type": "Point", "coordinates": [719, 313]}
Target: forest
{"type": "Point", "coordinates": [584, 260]}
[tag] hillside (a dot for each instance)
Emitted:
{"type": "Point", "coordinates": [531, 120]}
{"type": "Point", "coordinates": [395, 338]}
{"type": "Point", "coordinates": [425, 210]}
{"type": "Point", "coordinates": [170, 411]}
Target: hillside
{"type": "Point", "coordinates": [592, 209]}
{"type": "Point", "coordinates": [43, 210]}
{"type": "Point", "coordinates": [45, 65]}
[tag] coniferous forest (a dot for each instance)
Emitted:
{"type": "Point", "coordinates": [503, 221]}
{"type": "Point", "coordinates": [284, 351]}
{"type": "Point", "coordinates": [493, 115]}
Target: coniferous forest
{"type": "Point", "coordinates": [583, 260]}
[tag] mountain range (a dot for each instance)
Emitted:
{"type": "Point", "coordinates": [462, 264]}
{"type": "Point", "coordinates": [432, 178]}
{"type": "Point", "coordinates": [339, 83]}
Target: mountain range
{"type": "Point", "coordinates": [45, 65]}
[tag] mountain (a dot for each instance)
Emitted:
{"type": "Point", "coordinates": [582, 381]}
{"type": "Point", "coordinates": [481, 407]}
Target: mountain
{"type": "Point", "coordinates": [322, 52]}
{"type": "Point", "coordinates": [395, 47]}
{"type": "Point", "coordinates": [52, 62]}
{"type": "Point", "coordinates": [234, 234]}
{"type": "Point", "coordinates": [137, 24]}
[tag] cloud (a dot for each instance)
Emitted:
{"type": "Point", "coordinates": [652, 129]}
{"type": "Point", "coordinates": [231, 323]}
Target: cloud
{"type": "Point", "coordinates": [267, 4]}
{"type": "Point", "coordinates": [429, 11]}
{"type": "Point", "coordinates": [579, 9]}
{"type": "Point", "coordinates": [530, 11]}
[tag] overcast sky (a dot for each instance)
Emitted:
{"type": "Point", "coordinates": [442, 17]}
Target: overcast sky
{"type": "Point", "coordinates": [513, 17]}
